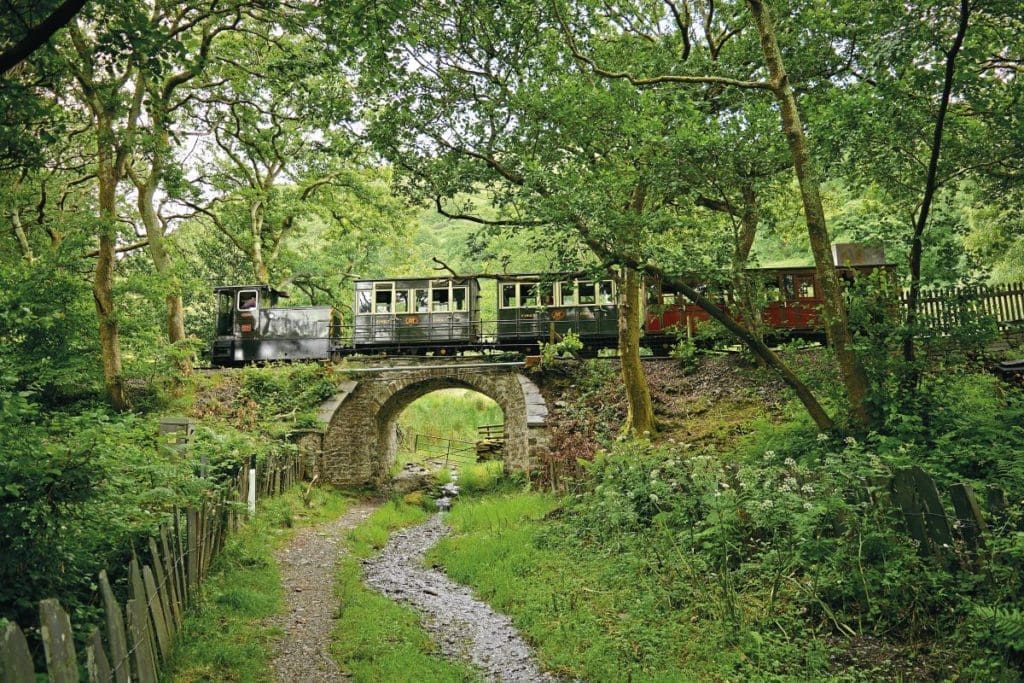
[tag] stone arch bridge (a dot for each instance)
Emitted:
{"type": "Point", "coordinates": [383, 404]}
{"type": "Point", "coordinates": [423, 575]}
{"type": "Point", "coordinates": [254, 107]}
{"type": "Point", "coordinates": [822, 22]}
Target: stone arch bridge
{"type": "Point", "coordinates": [358, 445]}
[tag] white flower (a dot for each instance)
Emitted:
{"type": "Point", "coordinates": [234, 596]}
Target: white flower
{"type": "Point", "coordinates": [822, 436]}
{"type": "Point", "coordinates": [850, 441]}
{"type": "Point", "coordinates": [789, 462]}
{"type": "Point", "coordinates": [723, 485]}
{"type": "Point", "coordinates": [654, 474]}
{"type": "Point", "coordinates": [767, 504]}
{"type": "Point", "coordinates": [808, 489]}
{"type": "Point", "coordinates": [807, 506]}
{"type": "Point", "coordinates": [769, 455]}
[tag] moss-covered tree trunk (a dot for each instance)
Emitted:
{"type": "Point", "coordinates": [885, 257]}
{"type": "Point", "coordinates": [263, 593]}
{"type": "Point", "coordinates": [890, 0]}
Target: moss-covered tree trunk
{"type": "Point", "coordinates": [639, 408]}
{"type": "Point", "coordinates": [834, 308]}
{"type": "Point", "coordinates": [103, 277]}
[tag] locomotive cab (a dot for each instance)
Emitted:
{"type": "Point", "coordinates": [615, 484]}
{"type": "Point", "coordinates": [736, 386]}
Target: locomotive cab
{"type": "Point", "coordinates": [252, 327]}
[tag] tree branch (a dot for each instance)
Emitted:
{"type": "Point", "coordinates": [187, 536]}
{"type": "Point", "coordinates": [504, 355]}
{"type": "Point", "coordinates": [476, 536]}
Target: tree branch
{"type": "Point", "coordinates": [38, 36]}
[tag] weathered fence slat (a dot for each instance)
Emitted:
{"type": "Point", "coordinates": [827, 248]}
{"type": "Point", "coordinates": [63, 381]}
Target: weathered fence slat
{"type": "Point", "coordinates": [15, 659]}
{"type": "Point", "coordinates": [191, 553]}
{"type": "Point", "coordinates": [163, 636]}
{"type": "Point", "coordinates": [165, 586]}
{"type": "Point", "coordinates": [139, 640]}
{"type": "Point", "coordinates": [58, 642]}
{"type": "Point", "coordinates": [968, 514]}
{"type": "Point", "coordinates": [936, 521]}
{"type": "Point", "coordinates": [116, 636]}
{"type": "Point", "coordinates": [903, 494]}
{"type": "Point", "coordinates": [96, 662]}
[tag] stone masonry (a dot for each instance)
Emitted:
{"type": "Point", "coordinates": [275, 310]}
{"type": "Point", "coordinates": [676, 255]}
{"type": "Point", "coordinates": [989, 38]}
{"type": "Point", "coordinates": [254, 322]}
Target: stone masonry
{"type": "Point", "coordinates": [361, 436]}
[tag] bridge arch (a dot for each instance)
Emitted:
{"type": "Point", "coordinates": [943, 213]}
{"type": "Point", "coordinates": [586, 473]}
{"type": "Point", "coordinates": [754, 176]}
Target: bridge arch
{"type": "Point", "coordinates": [360, 440]}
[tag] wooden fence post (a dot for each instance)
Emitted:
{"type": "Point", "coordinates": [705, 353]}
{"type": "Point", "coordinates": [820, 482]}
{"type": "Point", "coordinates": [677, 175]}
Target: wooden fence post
{"type": "Point", "coordinates": [96, 662]}
{"type": "Point", "coordinates": [116, 636]}
{"type": "Point", "coordinates": [58, 641]}
{"type": "Point", "coordinates": [15, 659]}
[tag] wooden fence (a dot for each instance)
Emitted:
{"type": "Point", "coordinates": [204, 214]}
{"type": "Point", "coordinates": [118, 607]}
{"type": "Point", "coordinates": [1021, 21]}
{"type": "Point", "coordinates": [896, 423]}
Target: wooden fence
{"type": "Point", "coordinates": [162, 584]}
{"type": "Point", "coordinates": [954, 540]}
{"type": "Point", "coordinates": [946, 308]}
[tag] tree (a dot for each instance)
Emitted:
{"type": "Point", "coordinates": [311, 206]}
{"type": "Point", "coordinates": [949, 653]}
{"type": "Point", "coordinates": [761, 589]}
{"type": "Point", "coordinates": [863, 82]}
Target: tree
{"type": "Point", "coordinates": [719, 26]}
{"type": "Point", "coordinates": [273, 113]}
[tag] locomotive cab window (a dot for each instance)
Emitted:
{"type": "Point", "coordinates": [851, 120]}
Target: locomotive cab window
{"type": "Point", "coordinates": [248, 299]}
{"type": "Point", "coordinates": [224, 311]}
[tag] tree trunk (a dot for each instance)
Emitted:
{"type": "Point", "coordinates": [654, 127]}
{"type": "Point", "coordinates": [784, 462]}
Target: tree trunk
{"type": "Point", "coordinates": [640, 409]}
{"type": "Point", "coordinates": [931, 184]}
{"type": "Point", "coordinates": [103, 278]}
{"type": "Point", "coordinates": [834, 308]}
{"type": "Point", "coordinates": [21, 236]}
{"type": "Point", "coordinates": [161, 260]}
{"type": "Point", "coordinates": [745, 288]}
{"type": "Point", "coordinates": [259, 265]}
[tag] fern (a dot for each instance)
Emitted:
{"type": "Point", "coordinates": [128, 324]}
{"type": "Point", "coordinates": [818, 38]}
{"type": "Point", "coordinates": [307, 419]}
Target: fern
{"type": "Point", "coordinates": [1002, 626]}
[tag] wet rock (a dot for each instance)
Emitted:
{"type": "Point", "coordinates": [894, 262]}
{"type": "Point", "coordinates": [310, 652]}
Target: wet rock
{"type": "Point", "coordinates": [461, 625]}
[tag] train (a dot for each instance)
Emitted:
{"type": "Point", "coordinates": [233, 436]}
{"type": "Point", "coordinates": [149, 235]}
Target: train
{"type": "Point", "coordinates": [443, 316]}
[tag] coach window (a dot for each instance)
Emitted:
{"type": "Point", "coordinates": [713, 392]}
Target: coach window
{"type": "Point", "coordinates": [788, 287]}
{"type": "Point", "coordinates": [771, 290]}
{"type": "Point", "coordinates": [606, 293]}
{"type": "Point", "coordinates": [806, 288]}
{"type": "Point", "coordinates": [527, 296]}
{"type": "Point", "coordinates": [508, 296]}
{"type": "Point", "coordinates": [459, 297]}
{"type": "Point", "coordinates": [382, 297]}
{"type": "Point", "coordinates": [364, 302]}
{"type": "Point", "coordinates": [440, 299]}
{"type": "Point", "coordinates": [422, 301]}
{"type": "Point", "coordinates": [401, 301]}
{"type": "Point", "coordinates": [567, 293]}
{"type": "Point", "coordinates": [588, 293]}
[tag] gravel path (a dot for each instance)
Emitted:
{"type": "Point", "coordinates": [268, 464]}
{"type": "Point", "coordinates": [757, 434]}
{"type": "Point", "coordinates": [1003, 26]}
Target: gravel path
{"type": "Point", "coordinates": [307, 574]}
{"type": "Point", "coordinates": [463, 626]}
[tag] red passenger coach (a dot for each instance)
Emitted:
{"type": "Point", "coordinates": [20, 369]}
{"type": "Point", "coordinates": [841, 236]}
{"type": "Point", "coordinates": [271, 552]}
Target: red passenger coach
{"type": "Point", "coordinates": [793, 296]}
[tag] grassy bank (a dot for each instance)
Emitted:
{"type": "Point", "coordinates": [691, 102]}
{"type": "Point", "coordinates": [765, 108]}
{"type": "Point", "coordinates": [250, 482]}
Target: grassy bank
{"type": "Point", "coordinates": [376, 639]}
{"type": "Point", "coordinates": [225, 639]}
{"type": "Point", "coordinates": [591, 615]}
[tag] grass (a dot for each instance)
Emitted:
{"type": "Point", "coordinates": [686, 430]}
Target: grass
{"type": "Point", "coordinates": [376, 639]}
{"type": "Point", "coordinates": [225, 638]}
{"type": "Point", "coordinates": [449, 414]}
{"type": "Point", "coordinates": [591, 615]}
